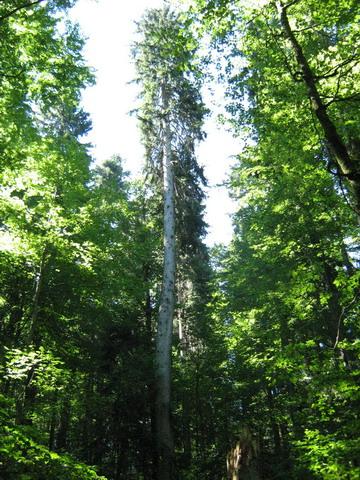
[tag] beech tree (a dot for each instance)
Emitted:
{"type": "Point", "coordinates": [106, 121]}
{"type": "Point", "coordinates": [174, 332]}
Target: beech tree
{"type": "Point", "coordinates": [302, 53]}
{"type": "Point", "coordinates": [290, 302]}
{"type": "Point", "coordinates": [344, 149]}
{"type": "Point", "coordinates": [288, 279]}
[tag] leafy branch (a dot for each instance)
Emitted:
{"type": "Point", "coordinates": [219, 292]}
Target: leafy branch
{"type": "Point", "coordinates": [19, 7]}
{"type": "Point", "coordinates": [332, 72]}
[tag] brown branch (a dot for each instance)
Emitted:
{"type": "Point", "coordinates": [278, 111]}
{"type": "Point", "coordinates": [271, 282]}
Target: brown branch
{"type": "Point", "coordinates": [350, 98]}
{"type": "Point", "coordinates": [257, 15]}
{"type": "Point", "coordinates": [305, 29]}
{"type": "Point", "coordinates": [343, 310]}
{"type": "Point", "coordinates": [345, 196]}
{"type": "Point", "coordinates": [335, 70]}
{"type": "Point", "coordinates": [336, 94]}
{"type": "Point", "coordinates": [20, 7]}
{"type": "Point", "coordinates": [290, 4]}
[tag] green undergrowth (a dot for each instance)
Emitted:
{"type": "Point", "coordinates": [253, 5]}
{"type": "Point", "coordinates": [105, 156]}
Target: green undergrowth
{"type": "Point", "coordinates": [23, 458]}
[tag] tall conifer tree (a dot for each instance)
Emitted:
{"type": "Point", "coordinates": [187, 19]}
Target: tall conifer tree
{"type": "Point", "coordinates": [171, 120]}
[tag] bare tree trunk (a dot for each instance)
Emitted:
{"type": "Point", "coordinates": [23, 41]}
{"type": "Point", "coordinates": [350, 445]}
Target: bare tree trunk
{"type": "Point", "coordinates": [165, 444]}
{"type": "Point", "coordinates": [347, 159]}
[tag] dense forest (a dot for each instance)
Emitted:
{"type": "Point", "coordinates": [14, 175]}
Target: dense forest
{"type": "Point", "coordinates": [129, 348]}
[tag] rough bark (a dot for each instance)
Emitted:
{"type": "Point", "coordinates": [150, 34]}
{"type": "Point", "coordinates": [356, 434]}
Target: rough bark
{"type": "Point", "coordinates": [165, 446]}
{"type": "Point", "coordinates": [346, 160]}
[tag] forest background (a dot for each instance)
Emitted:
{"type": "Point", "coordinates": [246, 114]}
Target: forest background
{"type": "Point", "coordinates": [264, 370]}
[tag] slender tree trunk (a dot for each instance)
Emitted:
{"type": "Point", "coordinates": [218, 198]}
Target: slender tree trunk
{"type": "Point", "coordinates": [52, 425]}
{"type": "Point", "coordinates": [274, 426]}
{"type": "Point", "coordinates": [13, 330]}
{"type": "Point", "coordinates": [151, 389]}
{"type": "Point", "coordinates": [165, 446]}
{"type": "Point", "coordinates": [61, 437]}
{"type": "Point", "coordinates": [27, 400]}
{"type": "Point", "coordinates": [346, 160]}
{"type": "Point", "coordinates": [34, 327]}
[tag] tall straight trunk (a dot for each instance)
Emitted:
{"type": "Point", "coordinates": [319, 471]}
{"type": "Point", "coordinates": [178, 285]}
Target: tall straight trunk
{"type": "Point", "coordinates": [346, 160]}
{"type": "Point", "coordinates": [164, 437]}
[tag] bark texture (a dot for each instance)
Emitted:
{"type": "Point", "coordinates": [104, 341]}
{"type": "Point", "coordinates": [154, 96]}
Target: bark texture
{"type": "Point", "coordinates": [165, 444]}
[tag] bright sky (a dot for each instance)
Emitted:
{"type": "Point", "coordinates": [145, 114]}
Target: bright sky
{"type": "Point", "coordinates": [110, 29]}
